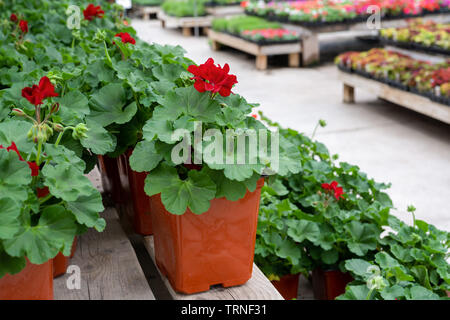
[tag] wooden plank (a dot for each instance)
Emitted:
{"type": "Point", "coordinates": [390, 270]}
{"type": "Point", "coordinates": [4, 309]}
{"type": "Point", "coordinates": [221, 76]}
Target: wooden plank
{"type": "Point", "coordinates": [220, 11]}
{"type": "Point", "coordinates": [403, 98]}
{"type": "Point", "coordinates": [184, 22]}
{"type": "Point", "coordinates": [349, 94]}
{"type": "Point", "coordinates": [419, 55]}
{"type": "Point", "coordinates": [253, 48]}
{"type": "Point", "coordinates": [310, 49]}
{"type": "Point", "coordinates": [257, 288]}
{"type": "Point", "coordinates": [109, 267]}
{"type": "Point", "coordinates": [261, 62]}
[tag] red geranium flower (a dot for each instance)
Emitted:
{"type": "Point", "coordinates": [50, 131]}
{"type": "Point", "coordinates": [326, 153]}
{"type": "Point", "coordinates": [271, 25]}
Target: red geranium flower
{"type": "Point", "coordinates": [126, 38]}
{"type": "Point", "coordinates": [209, 77]}
{"type": "Point", "coordinates": [23, 26]}
{"type": "Point", "coordinates": [32, 165]}
{"type": "Point", "coordinates": [93, 11]}
{"type": "Point", "coordinates": [36, 94]}
{"type": "Point", "coordinates": [333, 187]}
{"type": "Point", "coordinates": [13, 17]}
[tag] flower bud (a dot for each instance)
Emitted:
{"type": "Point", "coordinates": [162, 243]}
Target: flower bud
{"type": "Point", "coordinates": [18, 112]}
{"type": "Point", "coordinates": [57, 127]}
{"type": "Point", "coordinates": [55, 108]}
{"type": "Point", "coordinates": [79, 131]}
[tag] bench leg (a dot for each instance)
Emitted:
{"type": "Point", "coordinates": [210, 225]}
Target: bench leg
{"type": "Point", "coordinates": [187, 32]}
{"type": "Point", "coordinates": [261, 62]}
{"type": "Point", "coordinates": [310, 50]}
{"type": "Point", "coordinates": [294, 60]}
{"type": "Point", "coordinates": [146, 16]}
{"type": "Point", "coordinates": [215, 45]}
{"type": "Point", "coordinates": [349, 94]}
{"type": "Point", "coordinates": [163, 24]}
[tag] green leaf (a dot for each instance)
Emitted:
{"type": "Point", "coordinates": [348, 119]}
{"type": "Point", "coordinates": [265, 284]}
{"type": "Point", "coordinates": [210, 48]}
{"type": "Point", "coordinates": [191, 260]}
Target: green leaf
{"type": "Point", "coordinates": [108, 106]}
{"type": "Point", "coordinates": [196, 192]}
{"type": "Point", "coordinates": [66, 182]}
{"type": "Point", "coordinates": [42, 242]}
{"type": "Point", "coordinates": [60, 154]}
{"type": "Point", "coordinates": [364, 237]}
{"type": "Point", "coordinates": [385, 261]}
{"type": "Point", "coordinates": [73, 105]}
{"type": "Point", "coordinates": [290, 251]}
{"type": "Point", "coordinates": [169, 72]}
{"type": "Point", "coordinates": [145, 157]}
{"type": "Point", "coordinates": [300, 230]}
{"type": "Point", "coordinates": [13, 172]}
{"type": "Point", "coordinates": [86, 210]}
{"type": "Point", "coordinates": [98, 140]}
{"type": "Point", "coordinates": [330, 256]}
{"type": "Point", "coordinates": [230, 189]}
{"type": "Point", "coordinates": [421, 273]}
{"type": "Point", "coordinates": [392, 293]}
{"type": "Point", "coordinates": [9, 222]}
{"type": "Point", "coordinates": [16, 130]}
{"type": "Point", "coordinates": [421, 293]}
{"type": "Point", "coordinates": [11, 265]}
{"type": "Point", "coordinates": [358, 292]}
{"type": "Point", "coordinates": [358, 267]}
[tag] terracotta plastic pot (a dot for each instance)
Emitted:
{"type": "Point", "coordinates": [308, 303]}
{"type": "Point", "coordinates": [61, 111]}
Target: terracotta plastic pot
{"type": "Point", "coordinates": [216, 247]}
{"type": "Point", "coordinates": [287, 286]}
{"type": "Point", "coordinates": [61, 262]}
{"type": "Point", "coordinates": [327, 285]}
{"type": "Point", "coordinates": [110, 177]}
{"type": "Point", "coordinates": [140, 202]}
{"type": "Point", "coordinates": [35, 282]}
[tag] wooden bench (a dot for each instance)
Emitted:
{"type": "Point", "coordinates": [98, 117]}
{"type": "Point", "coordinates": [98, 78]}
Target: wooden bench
{"type": "Point", "coordinates": [257, 288]}
{"type": "Point", "coordinates": [403, 98]}
{"type": "Point", "coordinates": [310, 35]}
{"type": "Point", "coordinates": [261, 52]}
{"type": "Point", "coordinates": [221, 11]}
{"type": "Point", "coordinates": [185, 23]}
{"type": "Point", "coordinates": [109, 267]}
{"type": "Point", "coordinates": [147, 11]}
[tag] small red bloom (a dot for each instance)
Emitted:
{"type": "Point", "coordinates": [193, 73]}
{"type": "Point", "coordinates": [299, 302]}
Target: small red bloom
{"type": "Point", "coordinates": [13, 17]}
{"type": "Point", "coordinates": [209, 77]}
{"type": "Point", "coordinates": [333, 186]}
{"type": "Point", "coordinates": [32, 165]}
{"type": "Point", "coordinates": [34, 168]}
{"type": "Point", "coordinates": [93, 11]}
{"type": "Point", "coordinates": [36, 94]}
{"type": "Point", "coordinates": [255, 116]}
{"type": "Point", "coordinates": [126, 38]}
{"type": "Point", "coordinates": [23, 26]}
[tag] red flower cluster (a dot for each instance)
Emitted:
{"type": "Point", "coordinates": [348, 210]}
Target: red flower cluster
{"type": "Point", "coordinates": [441, 76]}
{"type": "Point", "coordinates": [209, 77]}
{"type": "Point", "coordinates": [126, 38]}
{"type": "Point", "coordinates": [13, 17]}
{"type": "Point", "coordinates": [93, 11]}
{"type": "Point", "coordinates": [333, 186]}
{"type": "Point", "coordinates": [33, 166]}
{"type": "Point", "coordinates": [36, 94]}
{"type": "Point", "coordinates": [23, 25]}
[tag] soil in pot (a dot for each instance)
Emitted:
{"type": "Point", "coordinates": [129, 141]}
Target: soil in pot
{"type": "Point", "coordinates": [287, 286]}
{"type": "Point", "coordinates": [327, 285]}
{"type": "Point", "coordinates": [34, 282]}
{"type": "Point", "coordinates": [216, 247]}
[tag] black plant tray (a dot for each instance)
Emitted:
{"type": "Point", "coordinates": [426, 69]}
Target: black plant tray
{"type": "Point", "coordinates": [317, 24]}
{"type": "Point", "coordinates": [261, 42]}
{"type": "Point", "coordinates": [415, 46]}
{"type": "Point", "coordinates": [217, 4]}
{"type": "Point", "coordinates": [396, 84]}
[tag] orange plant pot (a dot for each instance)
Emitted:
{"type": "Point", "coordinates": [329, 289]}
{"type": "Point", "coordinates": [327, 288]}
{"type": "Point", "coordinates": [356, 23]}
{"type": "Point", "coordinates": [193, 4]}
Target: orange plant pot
{"type": "Point", "coordinates": [327, 285]}
{"type": "Point", "coordinates": [110, 177]}
{"type": "Point", "coordinates": [287, 286]}
{"type": "Point", "coordinates": [216, 247]}
{"type": "Point", "coordinates": [61, 262]}
{"type": "Point", "coordinates": [34, 282]}
{"type": "Point", "coordinates": [140, 202]}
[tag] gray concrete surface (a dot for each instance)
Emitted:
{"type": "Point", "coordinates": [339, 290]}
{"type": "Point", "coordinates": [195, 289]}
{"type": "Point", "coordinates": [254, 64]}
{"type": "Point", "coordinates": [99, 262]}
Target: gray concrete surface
{"type": "Point", "coordinates": [388, 142]}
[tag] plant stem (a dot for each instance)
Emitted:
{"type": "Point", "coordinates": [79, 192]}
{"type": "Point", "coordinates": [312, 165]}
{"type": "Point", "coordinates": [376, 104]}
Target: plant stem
{"type": "Point", "coordinates": [39, 152]}
{"type": "Point", "coordinates": [314, 131]}
{"type": "Point", "coordinates": [369, 294]}
{"type": "Point", "coordinates": [107, 54]}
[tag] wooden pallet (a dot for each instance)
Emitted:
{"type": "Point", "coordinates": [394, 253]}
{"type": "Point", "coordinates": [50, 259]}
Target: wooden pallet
{"type": "Point", "coordinates": [146, 11]}
{"type": "Point", "coordinates": [260, 51]}
{"type": "Point", "coordinates": [185, 23]}
{"type": "Point", "coordinates": [221, 11]}
{"type": "Point", "coordinates": [403, 98]}
{"type": "Point", "coordinates": [257, 288]}
{"type": "Point", "coordinates": [109, 267]}
{"type": "Point", "coordinates": [310, 35]}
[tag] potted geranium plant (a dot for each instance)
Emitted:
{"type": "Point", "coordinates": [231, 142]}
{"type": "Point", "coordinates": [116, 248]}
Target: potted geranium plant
{"type": "Point", "coordinates": [46, 198]}
{"type": "Point", "coordinates": [204, 209]}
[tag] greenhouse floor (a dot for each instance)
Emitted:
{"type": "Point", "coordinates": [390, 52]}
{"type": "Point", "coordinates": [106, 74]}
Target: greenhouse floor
{"type": "Point", "coordinates": [388, 142]}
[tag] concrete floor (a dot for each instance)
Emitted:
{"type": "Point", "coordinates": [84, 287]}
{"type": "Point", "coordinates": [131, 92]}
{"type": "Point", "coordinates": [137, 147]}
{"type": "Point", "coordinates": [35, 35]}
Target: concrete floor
{"type": "Point", "coordinates": [388, 142]}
